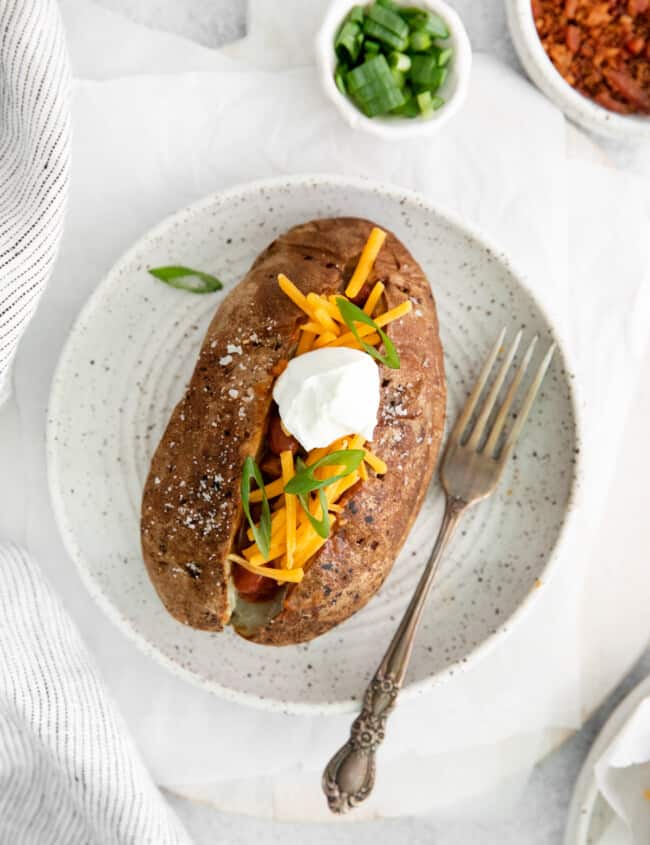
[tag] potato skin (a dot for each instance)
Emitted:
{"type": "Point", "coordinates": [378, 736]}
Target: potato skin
{"type": "Point", "coordinates": [191, 509]}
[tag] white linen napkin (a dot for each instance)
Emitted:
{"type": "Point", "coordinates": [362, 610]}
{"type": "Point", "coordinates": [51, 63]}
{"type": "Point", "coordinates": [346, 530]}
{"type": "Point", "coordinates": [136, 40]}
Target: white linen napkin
{"type": "Point", "coordinates": [68, 770]}
{"type": "Point", "coordinates": [149, 143]}
{"type": "Point", "coordinates": [623, 777]}
{"type": "Point", "coordinates": [34, 162]}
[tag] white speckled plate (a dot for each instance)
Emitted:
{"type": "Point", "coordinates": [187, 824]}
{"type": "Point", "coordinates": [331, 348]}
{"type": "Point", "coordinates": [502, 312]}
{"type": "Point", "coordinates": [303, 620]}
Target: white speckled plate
{"type": "Point", "coordinates": [132, 351]}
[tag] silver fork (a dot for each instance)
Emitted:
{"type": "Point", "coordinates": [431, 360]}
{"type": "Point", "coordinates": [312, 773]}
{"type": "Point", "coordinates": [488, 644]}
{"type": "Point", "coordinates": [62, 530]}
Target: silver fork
{"type": "Point", "coordinates": [472, 464]}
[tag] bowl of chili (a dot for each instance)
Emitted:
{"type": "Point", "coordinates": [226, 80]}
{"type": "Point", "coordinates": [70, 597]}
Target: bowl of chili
{"type": "Point", "coordinates": [415, 80]}
{"type": "Point", "coordinates": [591, 57]}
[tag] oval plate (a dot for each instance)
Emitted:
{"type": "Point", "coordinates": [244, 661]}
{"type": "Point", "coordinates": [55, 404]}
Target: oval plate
{"type": "Point", "coordinates": [125, 365]}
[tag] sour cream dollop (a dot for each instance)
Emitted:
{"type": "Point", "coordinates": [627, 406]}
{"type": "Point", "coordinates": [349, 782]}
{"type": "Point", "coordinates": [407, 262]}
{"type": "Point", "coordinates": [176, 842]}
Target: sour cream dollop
{"type": "Point", "coordinates": [327, 394]}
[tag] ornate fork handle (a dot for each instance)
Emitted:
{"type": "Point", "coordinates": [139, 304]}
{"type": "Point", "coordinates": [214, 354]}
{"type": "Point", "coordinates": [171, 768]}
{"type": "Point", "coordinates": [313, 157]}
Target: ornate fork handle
{"type": "Point", "coordinates": [349, 776]}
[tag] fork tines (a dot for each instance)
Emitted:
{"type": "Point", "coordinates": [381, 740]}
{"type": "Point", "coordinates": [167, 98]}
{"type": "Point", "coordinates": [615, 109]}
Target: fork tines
{"type": "Point", "coordinates": [471, 436]}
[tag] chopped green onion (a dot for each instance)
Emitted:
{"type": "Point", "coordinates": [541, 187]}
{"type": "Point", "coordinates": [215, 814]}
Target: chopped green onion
{"type": "Point", "coordinates": [382, 105]}
{"type": "Point", "coordinates": [436, 26]}
{"type": "Point", "coordinates": [339, 78]}
{"type": "Point", "coordinates": [428, 103]}
{"type": "Point", "coordinates": [400, 61]}
{"type": "Point", "coordinates": [390, 4]}
{"type": "Point", "coordinates": [348, 41]}
{"type": "Point", "coordinates": [420, 41]}
{"type": "Point", "coordinates": [305, 482]}
{"type": "Point", "coordinates": [352, 314]}
{"type": "Point", "coordinates": [386, 36]}
{"type": "Point", "coordinates": [422, 68]}
{"type": "Point", "coordinates": [321, 526]}
{"type": "Point", "coordinates": [398, 76]}
{"type": "Point", "coordinates": [388, 19]}
{"type": "Point", "coordinates": [425, 103]}
{"type": "Point", "coordinates": [261, 532]}
{"type": "Point", "coordinates": [373, 88]}
{"type": "Point", "coordinates": [425, 73]}
{"type": "Point", "coordinates": [373, 66]}
{"type": "Point", "coordinates": [439, 79]}
{"type": "Point", "coordinates": [355, 14]}
{"type": "Point", "coordinates": [409, 108]}
{"type": "Point", "coordinates": [374, 70]}
{"type": "Point", "coordinates": [184, 278]}
{"type": "Point", "coordinates": [419, 19]}
{"type": "Point", "coordinates": [444, 56]}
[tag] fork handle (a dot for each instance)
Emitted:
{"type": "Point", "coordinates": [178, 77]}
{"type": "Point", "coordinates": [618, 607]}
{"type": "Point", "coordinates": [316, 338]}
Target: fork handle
{"type": "Point", "coordinates": [349, 776]}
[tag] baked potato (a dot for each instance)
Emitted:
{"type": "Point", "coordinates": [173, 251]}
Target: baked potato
{"type": "Point", "coordinates": [192, 517]}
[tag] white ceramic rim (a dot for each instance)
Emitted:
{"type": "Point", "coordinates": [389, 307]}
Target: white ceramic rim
{"type": "Point", "coordinates": [255, 187]}
{"type": "Point", "coordinates": [585, 791]}
{"type": "Point", "coordinates": [543, 73]}
{"type": "Point", "coordinates": [454, 90]}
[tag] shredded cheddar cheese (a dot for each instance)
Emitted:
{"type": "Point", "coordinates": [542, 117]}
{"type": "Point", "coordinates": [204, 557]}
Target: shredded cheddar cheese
{"type": "Point", "coordinates": [376, 463]}
{"type": "Point", "coordinates": [286, 460]}
{"type": "Point", "coordinates": [293, 293]}
{"type": "Point", "coordinates": [280, 575]}
{"type": "Point", "coordinates": [275, 488]}
{"type": "Point", "coordinates": [294, 540]}
{"type": "Point", "coordinates": [373, 299]}
{"type": "Point", "coordinates": [325, 340]}
{"type": "Point", "coordinates": [366, 260]}
{"type": "Point", "coordinates": [306, 342]}
{"type": "Point", "coordinates": [311, 327]}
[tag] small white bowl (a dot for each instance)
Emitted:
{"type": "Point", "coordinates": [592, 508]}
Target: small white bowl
{"type": "Point", "coordinates": [543, 73]}
{"type": "Point", "coordinates": [453, 91]}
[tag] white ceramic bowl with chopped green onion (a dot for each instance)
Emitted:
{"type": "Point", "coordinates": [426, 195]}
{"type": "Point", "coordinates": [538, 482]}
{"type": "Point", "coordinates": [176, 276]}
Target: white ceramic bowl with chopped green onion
{"type": "Point", "coordinates": [453, 90]}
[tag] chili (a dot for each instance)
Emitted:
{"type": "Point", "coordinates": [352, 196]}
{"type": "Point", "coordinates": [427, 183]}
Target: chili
{"type": "Point", "coordinates": [600, 48]}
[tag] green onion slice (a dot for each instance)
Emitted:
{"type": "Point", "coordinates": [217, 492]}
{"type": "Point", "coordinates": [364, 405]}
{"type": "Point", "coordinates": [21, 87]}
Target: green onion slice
{"type": "Point", "coordinates": [352, 314]}
{"type": "Point", "coordinates": [444, 56]}
{"type": "Point", "coordinates": [349, 41]}
{"type": "Point", "coordinates": [381, 33]}
{"type": "Point", "coordinates": [424, 71]}
{"type": "Point", "coordinates": [408, 109]}
{"type": "Point", "coordinates": [261, 532]}
{"type": "Point", "coordinates": [419, 41]}
{"type": "Point", "coordinates": [388, 19]}
{"type": "Point", "coordinates": [355, 14]}
{"type": "Point", "coordinates": [184, 278]}
{"type": "Point", "coordinates": [390, 4]}
{"type": "Point", "coordinates": [339, 78]}
{"type": "Point", "coordinates": [400, 61]}
{"type": "Point", "coordinates": [428, 103]}
{"type": "Point", "coordinates": [373, 87]}
{"type": "Point", "coordinates": [304, 481]}
{"type": "Point", "coordinates": [321, 526]}
{"type": "Point", "coordinates": [419, 19]}
{"type": "Point", "coordinates": [374, 68]}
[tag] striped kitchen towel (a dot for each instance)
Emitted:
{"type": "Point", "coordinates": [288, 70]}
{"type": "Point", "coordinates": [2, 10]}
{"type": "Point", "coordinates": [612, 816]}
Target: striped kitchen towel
{"type": "Point", "coordinates": [69, 773]}
{"type": "Point", "coordinates": [34, 161]}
